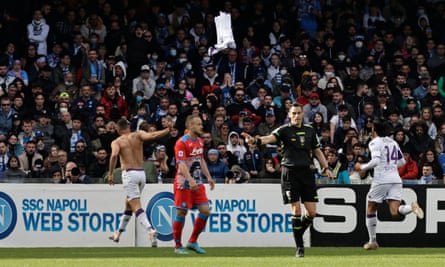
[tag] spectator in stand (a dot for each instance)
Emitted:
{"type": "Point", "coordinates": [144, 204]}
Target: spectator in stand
{"type": "Point", "coordinates": [94, 24]}
{"type": "Point", "coordinates": [429, 157]}
{"type": "Point", "coordinates": [51, 159]}
{"type": "Point", "coordinates": [115, 105]}
{"type": "Point", "coordinates": [37, 32]}
{"type": "Point", "coordinates": [73, 135]}
{"type": "Point", "coordinates": [14, 170]}
{"type": "Point", "coordinates": [409, 171]}
{"type": "Point", "coordinates": [6, 115]}
{"type": "Point", "coordinates": [239, 103]}
{"type": "Point", "coordinates": [313, 107]}
{"type": "Point", "coordinates": [29, 158]}
{"type": "Point", "coordinates": [44, 127]}
{"type": "Point", "coordinates": [93, 71]}
{"type": "Point", "coordinates": [217, 168]}
{"type": "Point", "coordinates": [85, 104]}
{"type": "Point", "coordinates": [270, 170]}
{"type": "Point", "coordinates": [14, 146]}
{"type": "Point", "coordinates": [4, 157]}
{"type": "Point", "coordinates": [338, 166]}
{"type": "Point", "coordinates": [420, 140]}
{"type": "Point", "coordinates": [236, 147]}
{"type": "Point", "coordinates": [18, 72]}
{"type": "Point", "coordinates": [253, 161]}
{"type": "Point", "coordinates": [81, 155]}
{"type": "Point", "coordinates": [144, 82]}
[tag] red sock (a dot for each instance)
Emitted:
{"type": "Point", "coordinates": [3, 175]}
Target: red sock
{"type": "Point", "coordinates": [178, 225]}
{"type": "Point", "coordinates": [200, 223]}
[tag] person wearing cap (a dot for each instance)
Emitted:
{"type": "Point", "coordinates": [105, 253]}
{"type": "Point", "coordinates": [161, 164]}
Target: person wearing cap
{"type": "Point", "coordinates": [218, 170]}
{"type": "Point", "coordinates": [412, 107]}
{"type": "Point", "coordinates": [45, 127]}
{"type": "Point", "coordinates": [313, 107]}
{"type": "Point", "coordinates": [269, 124]}
{"type": "Point", "coordinates": [236, 175]}
{"type": "Point", "coordinates": [144, 82]}
{"type": "Point", "coordinates": [298, 142]}
{"type": "Point", "coordinates": [259, 82]}
{"type": "Point", "coordinates": [424, 87]}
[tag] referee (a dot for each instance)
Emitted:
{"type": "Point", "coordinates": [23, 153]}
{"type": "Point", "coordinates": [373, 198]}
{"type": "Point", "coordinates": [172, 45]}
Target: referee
{"type": "Point", "coordinates": [297, 179]}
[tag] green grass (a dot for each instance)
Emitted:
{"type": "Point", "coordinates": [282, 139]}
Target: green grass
{"type": "Point", "coordinates": [273, 257]}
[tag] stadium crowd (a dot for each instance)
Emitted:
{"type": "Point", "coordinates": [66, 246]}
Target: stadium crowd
{"type": "Point", "coordinates": [70, 69]}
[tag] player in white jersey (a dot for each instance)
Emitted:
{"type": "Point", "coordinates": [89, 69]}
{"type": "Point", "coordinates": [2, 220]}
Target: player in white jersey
{"type": "Point", "coordinates": [386, 157]}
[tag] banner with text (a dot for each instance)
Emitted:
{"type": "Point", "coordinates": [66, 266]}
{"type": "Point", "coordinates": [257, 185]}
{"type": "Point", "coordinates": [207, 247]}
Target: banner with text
{"type": "Point", "coordinates": [50, 215]}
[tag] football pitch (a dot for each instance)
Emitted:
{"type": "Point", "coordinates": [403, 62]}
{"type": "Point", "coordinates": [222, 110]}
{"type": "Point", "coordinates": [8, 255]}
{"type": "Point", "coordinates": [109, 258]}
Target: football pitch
{"type": "Point", "coordinates": [215, 257]}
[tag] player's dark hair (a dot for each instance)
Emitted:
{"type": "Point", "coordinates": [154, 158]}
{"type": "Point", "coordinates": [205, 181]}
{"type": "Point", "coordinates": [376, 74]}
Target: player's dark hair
{"type": "Point", "coordinates": [381, 127]}
{"type": "Point", "coordinates": [296, 104]}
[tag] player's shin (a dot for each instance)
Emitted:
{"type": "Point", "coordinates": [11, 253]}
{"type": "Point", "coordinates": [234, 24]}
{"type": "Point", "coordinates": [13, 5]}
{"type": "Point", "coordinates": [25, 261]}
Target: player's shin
{"type": "Point", "coordinates": [124, 220]}
{"type": "Point", "coordinates": [143, 220]}
{"type": "Point", "coordinates": [306, 222]}
{"type": "Point", "coordinates": [178, 225]}
{"type": "Point", "coordinates": [371, 224]}
{"type": "Point", "coordinates": [200, 223]}
{"type": "Point", "coordinates": [297, 227]}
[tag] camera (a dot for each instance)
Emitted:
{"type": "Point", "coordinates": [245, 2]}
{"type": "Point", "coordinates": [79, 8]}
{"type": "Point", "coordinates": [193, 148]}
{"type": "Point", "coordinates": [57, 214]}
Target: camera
{"type": "Point", "coordinates": [231, 174]}
{"type": "Point", "coordinates": [75, 171]}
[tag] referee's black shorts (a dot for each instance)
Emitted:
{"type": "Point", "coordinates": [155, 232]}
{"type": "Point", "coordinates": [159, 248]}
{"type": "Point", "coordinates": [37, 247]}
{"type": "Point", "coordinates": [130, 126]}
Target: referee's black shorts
{"type": "Point", "coordinates": [298, 184]}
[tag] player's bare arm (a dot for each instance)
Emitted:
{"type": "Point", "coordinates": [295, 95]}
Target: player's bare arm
{"type": "Point", "coordinates": [206, 173]}
{"type": "Point", "coordinates": [185, 171]}
{"type": "Point", "coordinates": [262, 140]}
{"type": "Point", "coordinates": [113, 160]}
{"type": "Point", "coordinates": [150, 136]}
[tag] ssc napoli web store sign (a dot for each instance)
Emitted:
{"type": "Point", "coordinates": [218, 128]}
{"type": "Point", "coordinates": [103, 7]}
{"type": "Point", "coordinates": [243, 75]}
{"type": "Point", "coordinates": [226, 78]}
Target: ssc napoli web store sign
{"type": "Point", "coordinates": [241, 215]}
{"type": "Point", "coordinates": [50, 215]}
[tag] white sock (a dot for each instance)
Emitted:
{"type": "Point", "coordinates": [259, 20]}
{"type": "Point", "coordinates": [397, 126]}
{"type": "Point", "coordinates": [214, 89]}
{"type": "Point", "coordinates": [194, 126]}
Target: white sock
{"type": "Point", "coordinates": [405, 209]}
{"type": "Point", "coordinates": [371, 224]}
{"type": "Point", "coordinates": [124, 221]}
{"type": "Point", "coordinates": [143, 220]}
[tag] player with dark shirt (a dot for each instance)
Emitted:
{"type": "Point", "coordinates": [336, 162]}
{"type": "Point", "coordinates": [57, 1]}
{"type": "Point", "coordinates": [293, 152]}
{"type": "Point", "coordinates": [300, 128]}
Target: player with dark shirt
{"type": "Point", "coordinates": [298, 142]}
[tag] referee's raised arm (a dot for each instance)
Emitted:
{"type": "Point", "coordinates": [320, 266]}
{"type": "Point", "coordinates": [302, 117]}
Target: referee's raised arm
{"type": "Point", "coordinates": [261, 140]}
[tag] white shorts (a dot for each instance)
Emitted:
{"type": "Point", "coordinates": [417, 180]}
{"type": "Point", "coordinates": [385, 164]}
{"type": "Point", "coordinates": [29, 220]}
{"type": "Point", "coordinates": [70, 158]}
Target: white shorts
{"type": "Point", "coordinates": [380, 192]}
{"type": "Point", "coordinates": [134, 182]}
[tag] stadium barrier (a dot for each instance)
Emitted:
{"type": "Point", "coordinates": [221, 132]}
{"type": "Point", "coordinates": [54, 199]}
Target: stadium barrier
{"type": "Point", "coordinates": [55, 215]}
